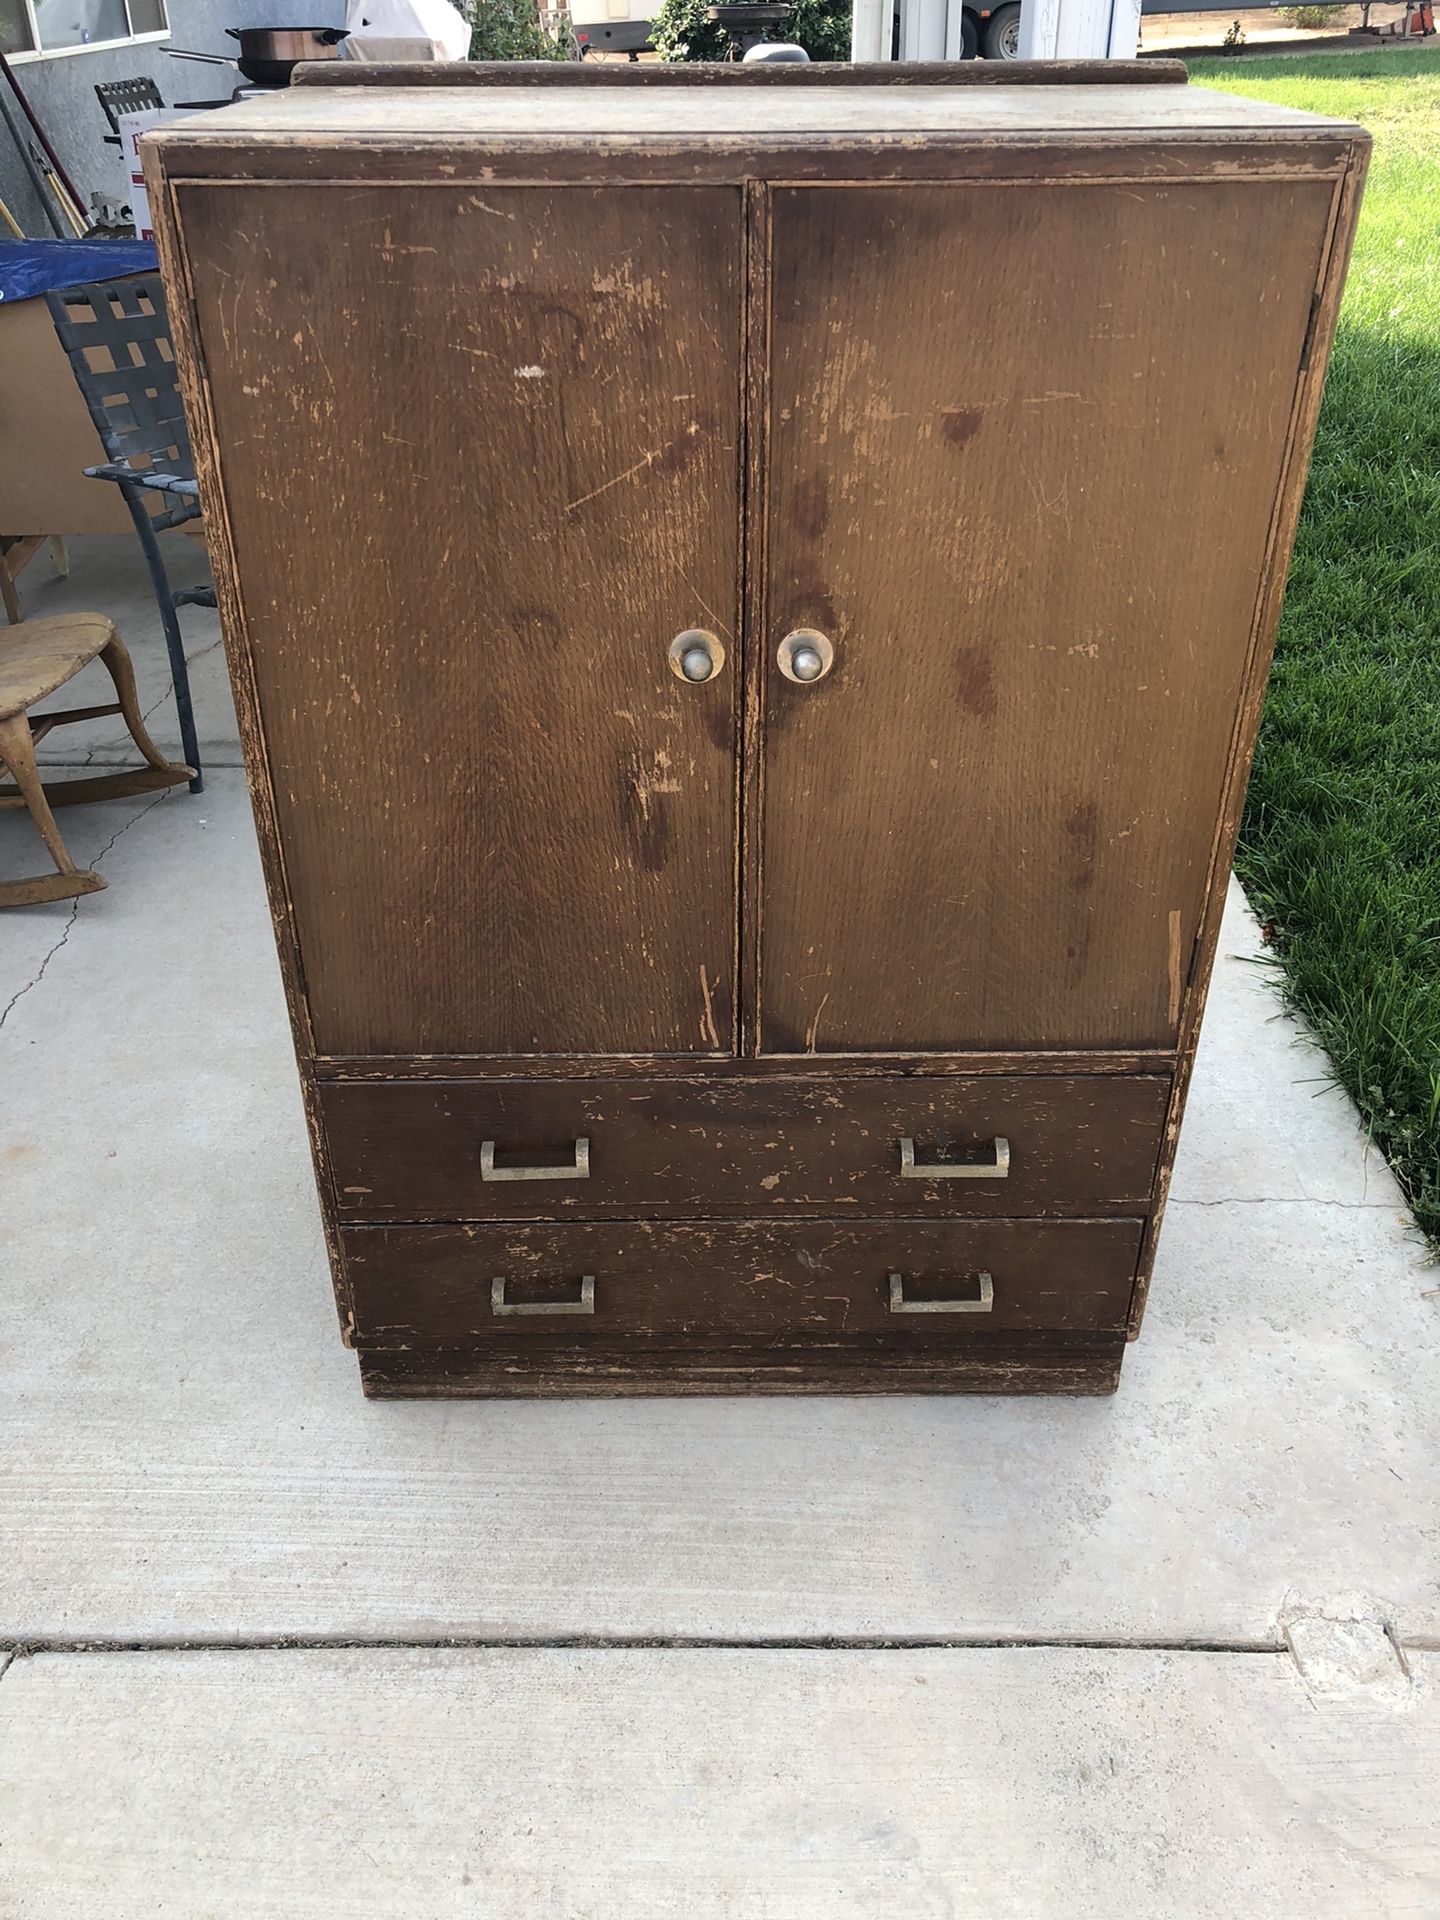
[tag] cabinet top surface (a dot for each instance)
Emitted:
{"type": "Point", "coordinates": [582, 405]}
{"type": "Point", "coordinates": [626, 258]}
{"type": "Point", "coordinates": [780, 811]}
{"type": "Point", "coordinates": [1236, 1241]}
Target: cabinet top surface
{"type": "Point", "coordinates": [699, 115]}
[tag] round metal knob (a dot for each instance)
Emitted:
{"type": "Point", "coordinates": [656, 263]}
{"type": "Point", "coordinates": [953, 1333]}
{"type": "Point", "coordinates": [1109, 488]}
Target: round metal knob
{"type": "Point", "coordinates": [805, 655]}
{"type": "Point", "coordinates": [696, 656]}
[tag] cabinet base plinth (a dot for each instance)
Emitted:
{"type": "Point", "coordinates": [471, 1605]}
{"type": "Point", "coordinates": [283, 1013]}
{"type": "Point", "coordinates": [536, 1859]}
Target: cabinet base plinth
{"type": "Point", "coordinates": [1070, 1364]}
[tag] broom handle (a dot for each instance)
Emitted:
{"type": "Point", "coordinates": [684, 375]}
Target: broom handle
{"type": "Point", "coordinates": [60, 174]}
{"type": "Point", "coordinates": [26, 150]}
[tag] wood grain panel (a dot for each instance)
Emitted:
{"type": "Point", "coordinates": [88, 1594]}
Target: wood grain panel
{"type": "Point", "coordinates": [1065, 1363]}
{"type": "Point", "coordinates": [483, 161]}
{"type": "Point", "coordinates": [481, 464]}
{"type": "Point", "coordinates": [774, 75]}
{"type": "Point", "coordinates": [1025, 447]}
{"type": "Point", "coordinates": [687, 1148]}
{"type": "Point", "coordinates": [839, 1067]}
{"type": "Point", "coordinates": [433, 1284]}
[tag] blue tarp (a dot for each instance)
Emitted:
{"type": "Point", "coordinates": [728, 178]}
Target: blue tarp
{"type": "Point", "coordinates": [31, 267]}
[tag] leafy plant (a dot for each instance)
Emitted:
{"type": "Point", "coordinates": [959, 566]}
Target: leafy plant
{"type": "Point", "coordinates": [1310, 17]}
{"type": "Point", "coordinates": [821, 27]}
{"type": "Point", "coordinates": [512, 30]}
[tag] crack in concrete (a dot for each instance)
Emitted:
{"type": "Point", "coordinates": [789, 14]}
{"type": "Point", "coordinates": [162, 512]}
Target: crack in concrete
{"type": "Point", "coordinates": [1296, 1200]}
{"type": "Point", "coordinates": [73, 915]}
{"type": "Point", "coordinates": [121, 737]}
{"type": "Point", "coordinates": [212, 765]}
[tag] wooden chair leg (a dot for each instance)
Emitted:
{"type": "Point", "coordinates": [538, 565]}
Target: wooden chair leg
{"type": "Point", "coordinates": [9, 592]}
{"type": "Point", "coordinates": [17, 550]}
{"type": "Point", "coordinates": [116, 656]}
{"type": "Point", "coordinates": [60, 555]}
{"type": "Point", "coordinates": [17, 750]}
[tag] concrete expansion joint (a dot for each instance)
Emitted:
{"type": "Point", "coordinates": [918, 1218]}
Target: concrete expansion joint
{"type": "Point", "coordinates": [1347, 1650]}
{"type": "Point", "coordinates": [21, 1648]}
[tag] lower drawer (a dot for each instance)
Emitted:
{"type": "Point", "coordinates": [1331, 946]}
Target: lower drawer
{"type": "Point", "coordinates": [914, 1282]}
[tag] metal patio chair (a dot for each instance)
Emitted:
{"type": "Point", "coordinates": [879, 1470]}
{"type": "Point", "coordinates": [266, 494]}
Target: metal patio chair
{"type": "Point", "coordinates": [118, 339]}
{"type": "Point", "coordinates": [138, 95]}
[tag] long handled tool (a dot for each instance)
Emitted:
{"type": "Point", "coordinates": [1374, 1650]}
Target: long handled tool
{"type": "Point", "coordinates": [56, 164]}
{"type": "Point", "coordinates": [37, 179]}
{"type": "Point", "coordinates": [66, 205]}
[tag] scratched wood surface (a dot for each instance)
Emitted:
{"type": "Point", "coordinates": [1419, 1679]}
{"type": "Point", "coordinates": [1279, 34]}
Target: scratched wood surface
{"type": "Point", "coordinates": [692, 115]}
{"type": "Point", "coordinates": [1034, 529]}
{"type": "Point", "coordinates": [819, 73]}
{"type": "Point", "coordinates": [751, 1278]}
{"type": "Point", "coordinates": [481, 466]}
{"type": "Point", "coordinates": [408, 159]}
{"type": "Point", "coordinates": [689, 1148]}
{"type": "Point", "coordinates": [1009, 1363]}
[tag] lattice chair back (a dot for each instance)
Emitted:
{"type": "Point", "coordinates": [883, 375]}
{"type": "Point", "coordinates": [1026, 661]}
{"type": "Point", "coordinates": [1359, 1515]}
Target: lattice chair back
{"type": "Point", "coordinates": [118, 338]}
{"type": "Point", "coordinates": [137, 95]}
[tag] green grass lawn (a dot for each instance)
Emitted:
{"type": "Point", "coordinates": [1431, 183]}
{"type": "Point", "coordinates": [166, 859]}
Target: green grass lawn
{"type": "Point", "coordinates": [1340, 850]}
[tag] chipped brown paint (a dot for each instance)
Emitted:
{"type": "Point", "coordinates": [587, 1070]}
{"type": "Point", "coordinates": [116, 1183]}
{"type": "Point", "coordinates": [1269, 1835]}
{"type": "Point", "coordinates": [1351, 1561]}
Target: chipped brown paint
{"type": "Point", "coordinates": [975, 681]}
{"type": "Point", "coordinates": [655, 1039]}
{"type": "Point", "coordinates": [961, 424]}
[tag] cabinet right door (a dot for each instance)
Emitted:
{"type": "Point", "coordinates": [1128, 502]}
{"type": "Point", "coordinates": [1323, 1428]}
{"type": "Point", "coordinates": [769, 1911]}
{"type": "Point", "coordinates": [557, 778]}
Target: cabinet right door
{"type": "Point", "coordinates": [1025, 443]}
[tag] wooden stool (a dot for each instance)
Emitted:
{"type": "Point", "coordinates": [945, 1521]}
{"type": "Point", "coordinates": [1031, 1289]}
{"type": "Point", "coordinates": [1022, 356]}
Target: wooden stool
{"type": "Point", "coordinates": [36, 657]}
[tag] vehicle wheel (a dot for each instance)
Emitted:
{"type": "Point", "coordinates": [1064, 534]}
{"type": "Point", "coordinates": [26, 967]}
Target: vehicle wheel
{"type": "Point", "coordinates": [969, 35]}
{"type": "Point", "coordinates": [1002, 33]}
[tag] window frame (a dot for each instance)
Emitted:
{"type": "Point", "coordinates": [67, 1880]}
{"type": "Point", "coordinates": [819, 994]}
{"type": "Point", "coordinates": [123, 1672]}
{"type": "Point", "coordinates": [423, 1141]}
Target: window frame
{"type": "Point", "coordinates": [25, 56]}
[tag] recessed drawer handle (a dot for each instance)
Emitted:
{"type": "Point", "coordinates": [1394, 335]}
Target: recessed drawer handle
{"type": "Point", "coordinates": [996, 1169]}
{"type": "Point", "coordinates": [983, 1302]}
{"type": "Point", "coordinates": [585, 1304]}
{"type": "Point", "coordinates": [579, 1171]}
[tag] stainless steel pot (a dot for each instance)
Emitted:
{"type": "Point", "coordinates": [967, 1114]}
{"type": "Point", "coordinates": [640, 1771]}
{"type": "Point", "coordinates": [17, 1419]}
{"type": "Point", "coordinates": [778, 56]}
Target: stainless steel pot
{"type": "Point", "coordinates": [288, 43]}
{"type": "Point", "coordinates": [272, 69]}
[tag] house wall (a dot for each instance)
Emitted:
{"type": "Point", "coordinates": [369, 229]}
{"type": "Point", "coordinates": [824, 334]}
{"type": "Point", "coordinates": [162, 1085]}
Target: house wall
{"type": "Point", "coordinates": [61, 89]}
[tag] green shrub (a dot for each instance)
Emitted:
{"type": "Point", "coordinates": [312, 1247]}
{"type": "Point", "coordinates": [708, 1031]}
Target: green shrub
{"type": "Point", "coordinates": [821, 27]}
{"type": "Point", "coordinates": [511, 30]}
{"type": "Point", "coordinates": [1309, 17]}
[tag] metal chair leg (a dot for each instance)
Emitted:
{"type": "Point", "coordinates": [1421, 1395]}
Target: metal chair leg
{"type": "Point", "coordinates": [174, 640]}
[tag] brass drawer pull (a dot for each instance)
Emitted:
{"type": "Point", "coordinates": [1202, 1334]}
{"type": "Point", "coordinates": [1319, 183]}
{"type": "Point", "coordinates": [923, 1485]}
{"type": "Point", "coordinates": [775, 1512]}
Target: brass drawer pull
{"type": "Point", "coordinates": [996, 1169]}
{"type": "Point", "coordinates": [500, 1305]}
{"type": "Point", "coordinates": [580, 1170]}
{"type": "Point", "coordinates": [984, 1301]}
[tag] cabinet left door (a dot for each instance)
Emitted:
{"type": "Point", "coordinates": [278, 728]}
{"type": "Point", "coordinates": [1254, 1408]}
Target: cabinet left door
{"type": "Point", "coordinates": [479, 456]}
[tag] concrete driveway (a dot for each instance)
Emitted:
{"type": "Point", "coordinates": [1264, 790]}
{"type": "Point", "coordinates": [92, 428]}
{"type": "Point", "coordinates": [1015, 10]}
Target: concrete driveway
{"type": "Point", "coordinates": [281, 1651]}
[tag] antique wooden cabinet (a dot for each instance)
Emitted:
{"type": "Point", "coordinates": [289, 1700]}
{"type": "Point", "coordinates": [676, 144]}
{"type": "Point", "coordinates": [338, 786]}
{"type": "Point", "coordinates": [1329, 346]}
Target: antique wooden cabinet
{"type": "Point", "coordinates": [749, 599]}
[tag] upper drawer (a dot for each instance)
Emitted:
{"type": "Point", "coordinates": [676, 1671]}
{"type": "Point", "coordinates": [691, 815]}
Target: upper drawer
{"type": "Point", "coordinates": [592, 1149]}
